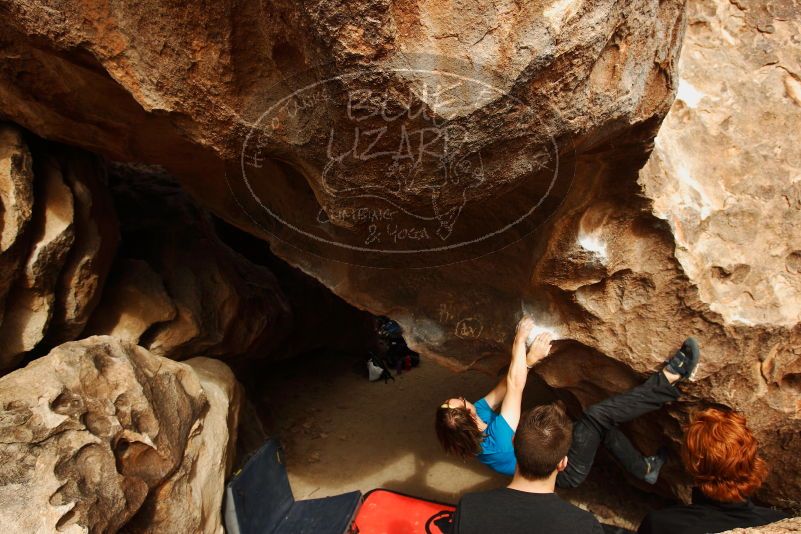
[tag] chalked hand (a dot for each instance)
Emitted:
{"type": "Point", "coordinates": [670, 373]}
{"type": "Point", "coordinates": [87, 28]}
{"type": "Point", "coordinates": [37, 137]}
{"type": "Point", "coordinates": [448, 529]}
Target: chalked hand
{"type": "Point", "coordinates": [539, 349]}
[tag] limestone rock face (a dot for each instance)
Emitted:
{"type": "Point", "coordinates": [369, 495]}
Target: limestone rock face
{"type": "Point", "coordinates": [16, 174]}
{"type": "Point", "coordinates": [29, 306]}
{"type": "Point", "coordinates": [100, 430]}
{"type": "Point", "coordinates": [83, 275]}
{"type": "Point", "coordinates": [89, 431]}
{"type": "Point", "coordinates": [726, 169]}
{"type": "Point", "coordinates": [59, 237]}
{"type": "Point", "coordinates": [726, 178]}
{"type": "Point", "coordinates": [191, 499]}
{"type": "Point", "coordinates": [134, 300]}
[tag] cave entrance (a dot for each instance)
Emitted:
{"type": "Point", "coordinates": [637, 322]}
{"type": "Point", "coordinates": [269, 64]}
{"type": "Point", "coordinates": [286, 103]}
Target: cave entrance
{"type": "Point", "coordinates": [342, 432]}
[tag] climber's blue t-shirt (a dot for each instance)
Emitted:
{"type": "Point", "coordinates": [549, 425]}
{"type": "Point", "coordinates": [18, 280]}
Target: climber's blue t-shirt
{"type": "Point", "coordinates": [497, 450]}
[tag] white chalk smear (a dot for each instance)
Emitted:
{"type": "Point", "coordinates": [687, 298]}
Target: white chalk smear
{"type": "Point", "coordinates": [560, 11]}
{"type": "Point", "coordinates": [704, 204]}
{"type": "Point", "coordinates": [593, 243]}
{"type": "Point", "coordinates": [688, 94]}
{"type": "Point", "coordinates": [540, 323]}
{"type": "Point", "coordinates": [537, 330]}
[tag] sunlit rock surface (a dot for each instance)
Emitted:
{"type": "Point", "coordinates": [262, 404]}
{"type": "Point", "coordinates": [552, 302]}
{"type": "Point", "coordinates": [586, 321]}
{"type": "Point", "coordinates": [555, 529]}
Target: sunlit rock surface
{"type": "Point", "coordinates": [726, 171]}
{"type": "Point", "coordinates": [190, 500]}
{"type": "Point", "coordinates": [787, 526]}
{"type": "Point", "coordinates": [726, 177]}
{"type": "Point", "coordinates": [100, 430]}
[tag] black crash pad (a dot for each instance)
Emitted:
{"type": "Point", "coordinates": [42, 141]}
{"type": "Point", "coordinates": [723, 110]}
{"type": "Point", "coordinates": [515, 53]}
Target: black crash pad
{"type": "Point", "coordinates": [259, 500]}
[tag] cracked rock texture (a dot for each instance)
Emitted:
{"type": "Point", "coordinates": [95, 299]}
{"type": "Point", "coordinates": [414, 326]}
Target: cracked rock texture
{"type": "Point", "coordinates": [59, 238]}
{"type": "Point", "coordinates": [190, 500]}
{"type": "Point", "coordinates": [485, 156]}
{"type": "Point", "coordinates": [101, 435]}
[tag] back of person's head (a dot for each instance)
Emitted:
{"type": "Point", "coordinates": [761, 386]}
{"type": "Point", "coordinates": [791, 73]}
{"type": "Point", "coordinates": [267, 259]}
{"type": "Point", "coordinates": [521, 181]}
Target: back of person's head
{"type": "Point", "coordinates": [542, 440]}
{"type": "Point", "coordinates": [721, 454]}
{"type": "Point", "coordinates": [458, 432]}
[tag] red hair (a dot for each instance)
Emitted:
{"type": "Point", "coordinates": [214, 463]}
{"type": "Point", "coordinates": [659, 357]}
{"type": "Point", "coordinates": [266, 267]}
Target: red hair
{"type": "Point", "coordinates": [721, 454]}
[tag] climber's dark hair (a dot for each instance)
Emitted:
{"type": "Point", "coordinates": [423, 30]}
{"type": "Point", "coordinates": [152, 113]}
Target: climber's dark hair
{"type": "Point", "coordinates": [458, 432]}
{"type": "Point", "coordinates": [542, 440]}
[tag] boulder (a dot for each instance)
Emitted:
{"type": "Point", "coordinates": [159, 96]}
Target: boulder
{"type": "Point", "coordinates": [787, 526]}
{"type": "Point", "coordinates": [16, 194]}
{"type": "Point", "coordinates": [725, 176]}
{"type": "Point", "coordinates": [83, 275]}
{"type": "Point", "coordinates": [89, 430]}
{"type": "Point", "coordinates": [30, 302]}
{"type": "Point", "coordinates": [134, 300]}
{"type": "Point", "coordinates": [190, 500]}
{"type": "Point", "coordinates": [101, 435]}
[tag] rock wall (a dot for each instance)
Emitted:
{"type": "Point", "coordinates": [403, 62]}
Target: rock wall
{"type": "Point", "coordinates": [781, 527]}
{"type": "Point", "coordinates": [457, 165]}
{"type": "Point", "coordinates": [725, 177]}
{"type": "Point", "coordinates": [101, 434]}
{"type": "Point", "coordinates": [59, 238]}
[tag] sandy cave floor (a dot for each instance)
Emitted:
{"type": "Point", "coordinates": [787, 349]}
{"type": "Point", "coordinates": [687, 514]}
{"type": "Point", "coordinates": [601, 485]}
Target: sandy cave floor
{"type": "Point", "coordinates": [343, 433]}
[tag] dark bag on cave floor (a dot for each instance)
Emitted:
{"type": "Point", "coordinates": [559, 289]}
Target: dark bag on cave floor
{"type": "Point", "coordinates": [389, 329]}
{"type": "Point", "coordinates": [378, 369]}
{"type": "Point", "coordinates": [399, 354]}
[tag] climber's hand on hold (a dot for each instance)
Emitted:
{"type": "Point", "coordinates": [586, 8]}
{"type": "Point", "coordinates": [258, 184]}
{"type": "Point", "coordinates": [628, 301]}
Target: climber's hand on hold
{"type": "Point", "coordinates": [524, 328]}
{"type": "Point", "coordinates": [539, 348]}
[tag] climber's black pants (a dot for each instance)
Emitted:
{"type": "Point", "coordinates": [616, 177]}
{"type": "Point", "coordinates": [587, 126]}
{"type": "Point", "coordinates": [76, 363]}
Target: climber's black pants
{"type": "Point", "coordinates": [599, 424]}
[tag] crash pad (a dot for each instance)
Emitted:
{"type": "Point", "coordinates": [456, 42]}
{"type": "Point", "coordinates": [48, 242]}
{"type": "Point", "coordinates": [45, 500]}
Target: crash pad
{"type": "Point", "coordinates": [390, 512]}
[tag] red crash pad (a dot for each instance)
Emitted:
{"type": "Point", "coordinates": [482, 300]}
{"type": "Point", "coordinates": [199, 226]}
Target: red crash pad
{"type": "Point", "coordinates": [388, 512]}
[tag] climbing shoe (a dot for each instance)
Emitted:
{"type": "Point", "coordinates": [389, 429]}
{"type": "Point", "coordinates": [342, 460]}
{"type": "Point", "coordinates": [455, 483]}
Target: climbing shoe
{"type": "Point", "coordinates": [685, 360]}
{"type": "Point", "coordinates": [654, 464]}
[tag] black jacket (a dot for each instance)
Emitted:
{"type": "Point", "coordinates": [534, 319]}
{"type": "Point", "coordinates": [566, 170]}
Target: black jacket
{"type": "Point", "coordinates": [705, 515]}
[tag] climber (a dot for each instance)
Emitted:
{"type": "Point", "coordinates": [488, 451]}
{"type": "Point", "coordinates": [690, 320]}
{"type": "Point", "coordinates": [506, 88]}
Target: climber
{"type": "Point", "coordinates": [466, 429]}
{"type": "Point", "coordinates": [720, 453]}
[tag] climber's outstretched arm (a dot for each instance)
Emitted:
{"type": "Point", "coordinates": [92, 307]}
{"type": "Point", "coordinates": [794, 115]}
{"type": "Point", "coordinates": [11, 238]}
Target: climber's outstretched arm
{"type": "Point", "coordinates": [518, 369]}
{"type": "Point", "coordinates": [495, 397]}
